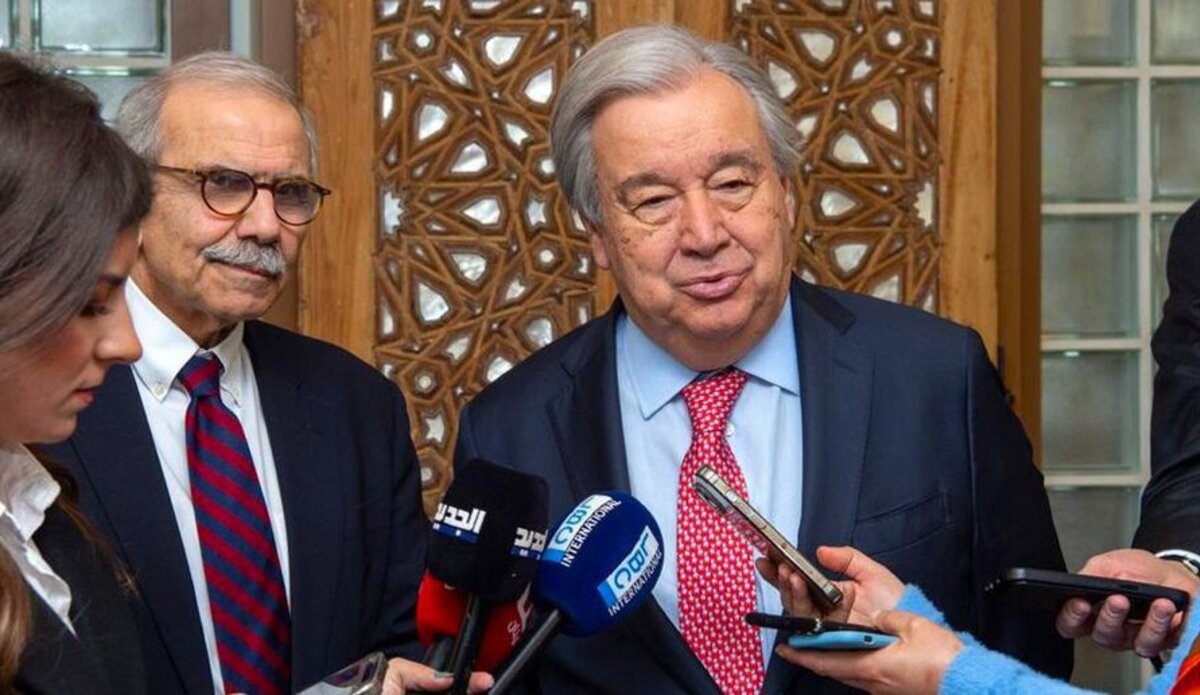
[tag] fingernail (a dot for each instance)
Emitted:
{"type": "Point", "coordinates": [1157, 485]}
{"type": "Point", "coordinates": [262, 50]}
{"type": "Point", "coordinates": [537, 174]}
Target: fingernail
{"type": "Point", "coordinates": [442, 674]}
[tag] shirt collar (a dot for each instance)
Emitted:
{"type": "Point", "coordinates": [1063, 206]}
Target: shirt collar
{"type": "Point", "coordinates": [658, 377]}
{"type": "Point", "coordinates": [27, 490]}
{"type": "Point", "coordinates": [167, 348]}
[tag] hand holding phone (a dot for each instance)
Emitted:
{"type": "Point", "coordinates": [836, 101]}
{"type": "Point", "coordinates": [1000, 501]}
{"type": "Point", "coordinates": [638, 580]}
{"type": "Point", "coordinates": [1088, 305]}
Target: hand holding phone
{"type": "Point", "coordinates": [762, 535]}
{"type": "Point", "coordinates": [824, 635]}
{"type": "Point", "coordinates": [1050, 589]}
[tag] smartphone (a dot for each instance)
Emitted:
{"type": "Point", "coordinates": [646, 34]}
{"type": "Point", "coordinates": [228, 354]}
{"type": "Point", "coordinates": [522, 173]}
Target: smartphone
{"type": "Point", "coordinates": [363, 677]}
{"type": "Point", "coordinates": [762, 535]}
{"type": "Point", "coordinates": [817, 633]}
{"type": "Point", "coordinates": [1050, 589]}
{"type": "Point", "coordinates": [842, 640]}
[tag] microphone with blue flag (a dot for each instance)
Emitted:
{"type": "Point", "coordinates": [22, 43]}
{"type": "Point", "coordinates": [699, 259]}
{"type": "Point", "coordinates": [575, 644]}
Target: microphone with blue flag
{"type": "Point", "coordinates": [600, 564]}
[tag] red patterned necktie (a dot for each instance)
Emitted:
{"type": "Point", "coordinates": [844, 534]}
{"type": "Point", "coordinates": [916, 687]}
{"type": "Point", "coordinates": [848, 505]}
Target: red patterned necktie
{"type": "Point", "coordinates": [1187, 682]}
{"type": "Point", "coordinates": [241, 567]}
{"type": "Point", "coordinates": [716, 565]}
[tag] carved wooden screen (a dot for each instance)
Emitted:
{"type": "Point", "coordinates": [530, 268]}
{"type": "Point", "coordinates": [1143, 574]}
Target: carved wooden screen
{"type": "Point", "coordinates": [478, 261]}
{"type": "Point", "coordinates": [861, 79]}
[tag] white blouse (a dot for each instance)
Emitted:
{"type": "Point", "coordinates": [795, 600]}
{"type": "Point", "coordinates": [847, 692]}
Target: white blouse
{"type": "Point", "coordinates": [26, 491]}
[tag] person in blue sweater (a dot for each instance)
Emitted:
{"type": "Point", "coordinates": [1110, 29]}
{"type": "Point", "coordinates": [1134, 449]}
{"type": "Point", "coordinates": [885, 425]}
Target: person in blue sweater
{"type": "Point", "coordinates": [932, 658]}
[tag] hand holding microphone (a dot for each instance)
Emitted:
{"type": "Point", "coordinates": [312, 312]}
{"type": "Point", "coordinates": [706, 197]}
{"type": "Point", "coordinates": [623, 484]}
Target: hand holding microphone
{"type": "Point", "coordinates": [600, 564]}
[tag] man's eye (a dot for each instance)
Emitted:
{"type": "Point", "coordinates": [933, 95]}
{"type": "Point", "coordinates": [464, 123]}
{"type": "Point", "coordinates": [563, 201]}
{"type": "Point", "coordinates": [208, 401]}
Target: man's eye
{"type": "Point", "coordinates": [652, 203]}
{"type": "Point", "coordinates": [227, 180]}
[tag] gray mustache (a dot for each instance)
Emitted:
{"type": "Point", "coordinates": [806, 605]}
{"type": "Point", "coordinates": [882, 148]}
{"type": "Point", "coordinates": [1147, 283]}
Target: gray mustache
{"type": "Point", "coordinates": [249, 254]}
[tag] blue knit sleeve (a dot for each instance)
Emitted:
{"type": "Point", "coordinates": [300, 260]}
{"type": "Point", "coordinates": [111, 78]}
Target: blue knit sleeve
{"type": "Point", "coordinates": [977, 670]}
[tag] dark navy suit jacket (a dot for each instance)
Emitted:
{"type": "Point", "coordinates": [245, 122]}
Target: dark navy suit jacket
{"type": "Point", "coordinates": [350, 483]}
{"type": "Point", "coordinates": [911, 454]}
{"type": "Point", "coordinates": [103, 657]}
{"type": "Point", "coordinates": [1171, 502]}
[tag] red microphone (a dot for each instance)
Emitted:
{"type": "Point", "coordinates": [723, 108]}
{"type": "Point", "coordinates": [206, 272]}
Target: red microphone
{"type": "Point", "coordinates": [440, 611]}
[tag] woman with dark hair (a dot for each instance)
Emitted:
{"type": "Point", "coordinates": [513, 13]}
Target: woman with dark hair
{"type": "Point", "coordinates": [71, 195]}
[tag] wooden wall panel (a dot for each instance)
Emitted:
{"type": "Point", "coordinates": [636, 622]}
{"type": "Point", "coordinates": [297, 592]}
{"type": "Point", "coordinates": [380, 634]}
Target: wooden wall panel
{"type": "Point", "coordinates": [336, 279]}
{"type": "Point", "coordinates": [968, 143]}
{"type": "Point", "coordinates": [1018, 109]}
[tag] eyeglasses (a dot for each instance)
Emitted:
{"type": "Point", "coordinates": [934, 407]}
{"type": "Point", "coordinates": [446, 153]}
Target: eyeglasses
{"type": "Point", "coordinates": [229, 193]}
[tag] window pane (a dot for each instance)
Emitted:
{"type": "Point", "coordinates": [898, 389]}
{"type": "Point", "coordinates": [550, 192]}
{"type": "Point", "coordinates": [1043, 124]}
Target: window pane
{"type": "Point", "coordinates": [1088, 141]}
{"type": "Point", "coordinates": [1089, 411]}
{"type": "Point", "coordinates": [111, 87]}
{"type": "Point", "coordinates": [1091, 521]}
{"type": "Point", "coordinates": [1163, 224]}
{"type": "Point", "coordinates": [1174, 31]}
{"type": "Point", "coordinates": [1087, 32]}
{"type": "Point", "coordinates": [101, 25]}
{"type": "Point", "coordinates": [1089, 276]}
{"type": "Point", "coordinates": [1175, 136]}
{"type": "Point", "coordinates": [5, 18]}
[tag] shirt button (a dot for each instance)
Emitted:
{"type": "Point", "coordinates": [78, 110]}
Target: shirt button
{"type": "Point", "coordinates": [729, 430]}
{"type": "Point", "coordinates": [159, 389]}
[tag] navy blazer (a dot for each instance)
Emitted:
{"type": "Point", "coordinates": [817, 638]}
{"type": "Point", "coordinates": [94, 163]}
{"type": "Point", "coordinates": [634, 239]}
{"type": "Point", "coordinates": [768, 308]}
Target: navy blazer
{"type": "Point", "coordinates": [103, 656]}
{"type": "Point", "coordinates": [350, 483]}
{"type": "Point", "coordinates": [911, 454]}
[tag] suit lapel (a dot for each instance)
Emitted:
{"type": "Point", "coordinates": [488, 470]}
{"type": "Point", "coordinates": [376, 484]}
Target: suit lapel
{"type": "Point", "coordinates": [587, 418]}
{"type": "Point", "coordinates": [116, 453]}
{"type": "Point", "coordinates": [587, 425]}
{"type": "Point", "coordinates": [306, 464]}
{"type": "Point", "coordinates": [835, 393]}
{"type": "Point", "coordinates": [835, 385]}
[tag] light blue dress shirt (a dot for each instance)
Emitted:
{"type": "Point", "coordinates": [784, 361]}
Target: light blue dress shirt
{"type": "Point", "coordinates": [765, 434]}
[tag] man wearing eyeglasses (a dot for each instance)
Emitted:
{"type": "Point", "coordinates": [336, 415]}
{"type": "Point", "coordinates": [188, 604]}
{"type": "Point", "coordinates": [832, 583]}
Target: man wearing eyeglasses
{"type": "Point", "coordinates": [261, 486]}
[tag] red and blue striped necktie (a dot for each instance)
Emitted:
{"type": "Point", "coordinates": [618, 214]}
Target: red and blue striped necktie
{"type": "Point", "coordinates": [241, 567]}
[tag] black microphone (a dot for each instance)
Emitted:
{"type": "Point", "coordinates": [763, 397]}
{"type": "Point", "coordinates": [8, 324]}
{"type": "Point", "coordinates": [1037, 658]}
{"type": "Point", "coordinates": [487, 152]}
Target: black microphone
{"type": "Point", "coordinates": [600, 564]}
{"type": "Point", "coordinates": [485, 541]}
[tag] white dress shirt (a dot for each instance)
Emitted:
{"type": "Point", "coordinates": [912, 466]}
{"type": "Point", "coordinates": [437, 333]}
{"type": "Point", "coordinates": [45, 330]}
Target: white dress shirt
{"type": "Point", "coordinates": [166, 349]}
{"type": "Point", "coordinates": [765, 432]}
{"type": "Point", "coordinates": [26, 492]}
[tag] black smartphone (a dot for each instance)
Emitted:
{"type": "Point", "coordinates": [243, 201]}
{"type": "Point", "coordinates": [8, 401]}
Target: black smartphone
{"type": "Point", "coordinates": [804, 626]}
{"type": "Point", "coordinates": [823, 635]}
{"type": "Point", "coordinates": [1050, 589]}
{"type": "Point", "coordinates": [762, 535]}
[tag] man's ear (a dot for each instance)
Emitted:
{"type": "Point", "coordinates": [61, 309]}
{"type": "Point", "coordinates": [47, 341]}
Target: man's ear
{"type": "Point", "coordinates": [596, 238]}
{"type": "Point", "coordinates": [789, 194]}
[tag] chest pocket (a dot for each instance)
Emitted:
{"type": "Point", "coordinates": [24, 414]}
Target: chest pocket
{"type": "Point", "coordinates": [902, 526]}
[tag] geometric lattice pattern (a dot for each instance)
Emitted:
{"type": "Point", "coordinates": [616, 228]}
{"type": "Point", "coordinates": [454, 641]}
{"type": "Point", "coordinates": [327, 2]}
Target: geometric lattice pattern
{"type": "Point", "coordinates": [478, 261]}
{"type": "Point", "coordinates": [860, 77]}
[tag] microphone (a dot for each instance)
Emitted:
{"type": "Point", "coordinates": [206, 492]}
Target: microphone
{"type": "Point", "coordinates": [440, 610]}
{"type": "Point", "coordinates": [601, 563]}
{"type": "Point", "coordinates": [485, 541]}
